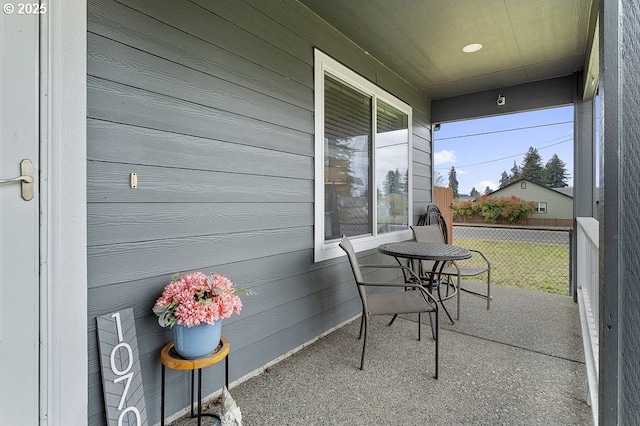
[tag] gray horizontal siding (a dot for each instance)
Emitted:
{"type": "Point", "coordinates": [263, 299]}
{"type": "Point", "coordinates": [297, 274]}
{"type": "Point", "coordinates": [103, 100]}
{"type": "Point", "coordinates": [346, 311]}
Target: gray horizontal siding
{"type": "Point", "coordinates": [131, 67]}
{"type": "Point", "coordinates": [128, 105]}
{"type": "Point", "coordinates": [421, 162]}
{"type": "Point", "coordinates": [116, 142]}
{"type": "Point", "coordinates": [109, 182]}
{"type": "Point", "coordinates": [205, 25]}
{"type": "Point", "coordinates": [119, 23]}
{"type": "Point", "coordinates": [132, 261]}
{"type": "Point", "coordinates": [211, 104]}
{"type": "Point", "coordinates": [113, 223]}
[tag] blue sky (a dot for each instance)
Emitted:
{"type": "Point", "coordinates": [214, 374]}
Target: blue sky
{"type": "Point", "coordinates": [481, 149]}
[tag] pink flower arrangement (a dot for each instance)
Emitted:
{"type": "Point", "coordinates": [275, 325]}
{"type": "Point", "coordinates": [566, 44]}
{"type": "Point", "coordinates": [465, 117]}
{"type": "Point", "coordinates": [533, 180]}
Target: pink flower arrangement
{"type": "Point", "coordinates": [196, 298]}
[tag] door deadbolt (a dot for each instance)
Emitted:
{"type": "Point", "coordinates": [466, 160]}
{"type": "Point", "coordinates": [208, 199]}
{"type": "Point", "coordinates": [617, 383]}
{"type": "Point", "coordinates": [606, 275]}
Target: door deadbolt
{"type": "Point", "coordinates": [25, 179]}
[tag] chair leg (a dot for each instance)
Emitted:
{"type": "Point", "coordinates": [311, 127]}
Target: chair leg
{"type": "Point", "coordinates": [361, 326]}
{"type": "Point", "coordinates": [437, 345]}
{"type": "Point", "coordinates": [419, 326]}
{"type": "Point", "coordinates": [488, 288]}
{"type": "Point", "coordinates": [444, 307]}
{"type": "Point", "coordinates": [364, 343]}
{"type": "Point", "coordinates": [392, 320]}
{"type": "Point", "coordinates": [458, 298]}
{"type": "Point", "coordinates": [432, 323]}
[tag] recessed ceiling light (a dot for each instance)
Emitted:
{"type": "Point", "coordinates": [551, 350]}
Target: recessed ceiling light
{"type": "Point", "coordinates": [473, 47]}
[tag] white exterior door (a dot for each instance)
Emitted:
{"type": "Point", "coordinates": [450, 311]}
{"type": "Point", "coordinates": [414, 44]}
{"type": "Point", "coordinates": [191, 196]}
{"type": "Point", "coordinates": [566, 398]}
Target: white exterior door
{"type": "Point", "coordinates": [19, 218]}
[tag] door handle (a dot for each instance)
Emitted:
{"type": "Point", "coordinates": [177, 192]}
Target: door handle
{"type": "Point", "coordinates": [25, 179]}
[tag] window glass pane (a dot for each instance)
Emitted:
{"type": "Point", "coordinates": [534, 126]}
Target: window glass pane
{"type": "Point", "coordinates": [347, 156]}
{"type": "Point", "coordinates": [541, 207]}
{"type": "Point", "coordinates": [392, 168]}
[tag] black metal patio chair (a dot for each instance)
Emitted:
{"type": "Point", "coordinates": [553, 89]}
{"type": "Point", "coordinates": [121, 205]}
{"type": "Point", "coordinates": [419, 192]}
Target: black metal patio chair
{"type": "Point", "coordinates": [411, 297]}
{"type": "Point", "coordinates": [434, 228]}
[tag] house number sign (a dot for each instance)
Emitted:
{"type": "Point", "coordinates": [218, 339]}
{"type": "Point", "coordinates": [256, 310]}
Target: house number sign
{"type": "Point", "coordinates": [120, 366]}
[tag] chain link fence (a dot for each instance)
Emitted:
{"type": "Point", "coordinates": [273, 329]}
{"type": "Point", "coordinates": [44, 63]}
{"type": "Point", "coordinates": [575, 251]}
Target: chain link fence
{"type": "Point", "coordinates": [533, 258]}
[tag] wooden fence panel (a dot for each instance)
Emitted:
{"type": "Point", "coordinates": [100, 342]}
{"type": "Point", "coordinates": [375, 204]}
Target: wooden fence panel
{"type": "Point", "coordinates": [528, 222]}
{"type": "Point", "coordinates": [443, 197]}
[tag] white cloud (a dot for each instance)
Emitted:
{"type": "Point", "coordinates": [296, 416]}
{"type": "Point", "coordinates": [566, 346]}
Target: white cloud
{"type": "Point", "coordinates": [444, 156]}
{"type": "Point", "coordinates": [482, 185]}
{"type": "Point", "coordinates": [461, 172]}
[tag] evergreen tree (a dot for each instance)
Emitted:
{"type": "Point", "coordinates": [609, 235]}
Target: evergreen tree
{"type": "Point", "coordinates": [505, 180]}
{"type": "Point", "coordinates": [532, 169]}
{"type": "Point", "coordinates": [555, 173]}
{"type": "Point", "coordinates": [474, 192]}
{"type": "Point", "coordinates": [453, 182]}
{"type": "Point", "coordinates": [487, 191]}
{"type": "Point", "coordinates": [404, 183]}
{"type": "Point", "coordinates": [392, 183]}
{"type": "Point", "coordinates": [515, 172]}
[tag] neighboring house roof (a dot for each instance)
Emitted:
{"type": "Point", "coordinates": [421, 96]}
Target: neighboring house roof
{"type": "Point", "coordinates": [568, 192]}
{"type": "Point", "coordinates": [466, 198]}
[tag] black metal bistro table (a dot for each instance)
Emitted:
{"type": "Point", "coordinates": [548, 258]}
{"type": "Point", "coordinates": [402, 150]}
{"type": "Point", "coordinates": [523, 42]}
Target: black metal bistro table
{"type": "Point", "coordinates": [439, 253]}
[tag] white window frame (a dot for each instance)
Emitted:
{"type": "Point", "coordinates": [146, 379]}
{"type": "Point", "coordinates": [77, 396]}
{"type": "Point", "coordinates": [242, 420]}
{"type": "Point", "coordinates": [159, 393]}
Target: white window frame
{"type": "Point", "coordinates": [537, 207]}
{"type": "Point", "coordinates": [330, 249]}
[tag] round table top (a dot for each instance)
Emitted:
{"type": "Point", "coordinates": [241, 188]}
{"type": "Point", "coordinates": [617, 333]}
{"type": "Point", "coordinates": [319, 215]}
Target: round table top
{"type": "Point", "coordinates": [424, 251]}
{"type": "Point", "coordinates": [171, 359]}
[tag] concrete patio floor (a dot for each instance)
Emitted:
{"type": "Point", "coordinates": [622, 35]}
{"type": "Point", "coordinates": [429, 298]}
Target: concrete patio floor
{"type": "Point", "coordinates": [521, 363]}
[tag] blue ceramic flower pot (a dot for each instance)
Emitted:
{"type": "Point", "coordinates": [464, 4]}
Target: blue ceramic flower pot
{"type": "Point", "coordinates": [197, 342]}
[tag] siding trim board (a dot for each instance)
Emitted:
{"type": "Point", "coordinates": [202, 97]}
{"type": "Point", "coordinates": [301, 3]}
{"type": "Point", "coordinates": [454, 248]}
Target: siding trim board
{"type": "Point", "coordinates": [211, 104]}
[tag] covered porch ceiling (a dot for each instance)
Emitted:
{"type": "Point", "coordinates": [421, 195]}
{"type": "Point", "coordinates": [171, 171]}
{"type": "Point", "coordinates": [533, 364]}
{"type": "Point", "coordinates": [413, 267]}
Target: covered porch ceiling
{"type": "Point", "coordinates": [524, 41]}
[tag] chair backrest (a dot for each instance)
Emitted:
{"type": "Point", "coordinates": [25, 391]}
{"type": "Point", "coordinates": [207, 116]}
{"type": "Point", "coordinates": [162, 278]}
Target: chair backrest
{"type": "Point", "coordinates": [427, 234]}
{"type": "Point", "coordinates": [433, 216]}
{"type": "Point", "coordinates": [345, 245]}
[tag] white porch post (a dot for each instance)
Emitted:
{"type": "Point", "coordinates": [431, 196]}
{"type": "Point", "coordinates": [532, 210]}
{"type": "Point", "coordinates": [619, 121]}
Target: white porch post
{"type": "Point", "coordinates": [584, 174]}
{"type": "Point", "coordinates": [64, 359]}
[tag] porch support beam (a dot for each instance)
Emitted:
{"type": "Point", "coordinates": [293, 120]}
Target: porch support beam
{"type": "Point", "coordinates": [591, 72]}
{"type": "Point", "coordinates": [522, 97]}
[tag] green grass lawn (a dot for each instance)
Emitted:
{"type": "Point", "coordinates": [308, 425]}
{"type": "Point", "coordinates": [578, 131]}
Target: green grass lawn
{"type": "Point", "coordinates": [534, 266]}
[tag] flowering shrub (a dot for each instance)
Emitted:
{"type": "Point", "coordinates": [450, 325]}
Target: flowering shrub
{"type": "Point", "coordinates": [490, 208]}
{"type": "Point", "coordinates": [196, 298]}
{"type": "Point", "coordinates": [513, 209]}
{"type": "Point", "coordinates": [463, 208]}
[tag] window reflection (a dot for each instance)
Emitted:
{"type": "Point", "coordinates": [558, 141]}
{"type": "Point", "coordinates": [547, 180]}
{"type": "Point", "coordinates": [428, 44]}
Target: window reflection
{"type": "Point", "coordinates": [347, 158]}
{"type": "Point", "coordinates": [392, 168]}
